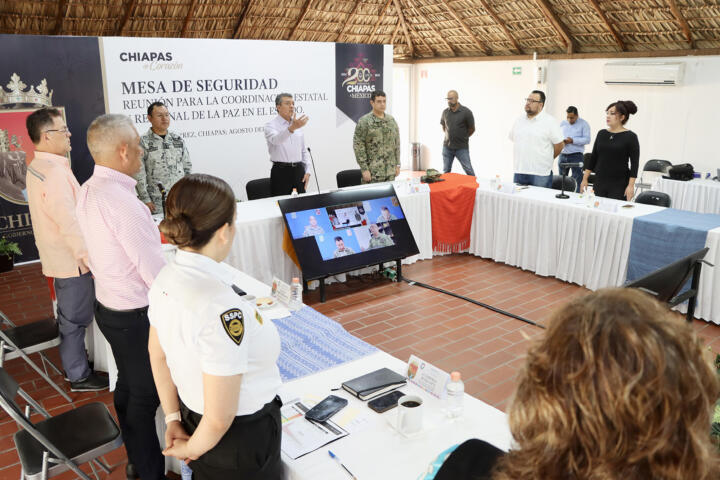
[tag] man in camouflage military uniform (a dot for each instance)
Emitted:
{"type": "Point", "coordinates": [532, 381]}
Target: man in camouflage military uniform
{"type": "Point", "coordinates": [166, 159]}
{"type": "Point", "coordinates": [378, 239]}
{"type": "Point", "coordinates": [341, 249]}
{"type": "Point", "coordinates": [377, 143]}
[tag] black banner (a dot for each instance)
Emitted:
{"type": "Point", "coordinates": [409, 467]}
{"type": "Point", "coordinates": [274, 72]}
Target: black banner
{"type": "Point", "coordinates": [358, 73]}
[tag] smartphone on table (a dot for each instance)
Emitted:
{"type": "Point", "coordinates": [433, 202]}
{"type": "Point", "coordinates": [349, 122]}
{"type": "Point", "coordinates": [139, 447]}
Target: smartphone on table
{"type": "Point", "coordinates": [386, 402]}
{"type": "Point", "coordinates": [326, 409]}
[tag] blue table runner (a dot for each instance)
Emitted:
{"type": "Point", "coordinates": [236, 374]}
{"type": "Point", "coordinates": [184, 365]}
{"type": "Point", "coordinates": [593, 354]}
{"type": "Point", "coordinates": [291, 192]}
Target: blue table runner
{"type": "Point", "coordinates": [661, 238]}
{"type": "Point", "coordinates": [311, 342]}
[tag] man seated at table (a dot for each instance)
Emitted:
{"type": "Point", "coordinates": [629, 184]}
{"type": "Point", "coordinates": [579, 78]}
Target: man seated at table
{"type": "Point", "coordinates": [378, 239]}
{"type": "Point", "coordinates": [385, 215]}
{"type": "Point", "coordinates": [313, 228]}
{"type": "Point", "coordinates": [341, 249]}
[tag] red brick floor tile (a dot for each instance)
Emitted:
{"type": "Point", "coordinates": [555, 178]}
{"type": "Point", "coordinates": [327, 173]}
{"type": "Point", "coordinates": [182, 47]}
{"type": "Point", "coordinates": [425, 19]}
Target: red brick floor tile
{"type": "Point", "coordinates": [486, 347]}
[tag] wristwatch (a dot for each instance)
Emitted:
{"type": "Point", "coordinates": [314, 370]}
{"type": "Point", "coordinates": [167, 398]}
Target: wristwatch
{"type": "Point", "coordinates": [175, 416]}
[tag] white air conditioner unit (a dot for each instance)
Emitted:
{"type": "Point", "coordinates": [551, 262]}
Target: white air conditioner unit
{"type": "Point", "coordinates": [619, 73]}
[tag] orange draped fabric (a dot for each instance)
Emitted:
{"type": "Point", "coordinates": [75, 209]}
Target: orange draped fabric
{"type": "Point", "coordinates": [288, 248]}
{"type": "Point", "coordinates": [451, 207]}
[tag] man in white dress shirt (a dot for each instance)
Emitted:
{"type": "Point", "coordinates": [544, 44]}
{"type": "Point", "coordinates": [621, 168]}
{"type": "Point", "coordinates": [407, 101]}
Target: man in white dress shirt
{"type": "Point", "coordinates": [538, 140]}
{"type": "Point", "coordinates": [286, 144]}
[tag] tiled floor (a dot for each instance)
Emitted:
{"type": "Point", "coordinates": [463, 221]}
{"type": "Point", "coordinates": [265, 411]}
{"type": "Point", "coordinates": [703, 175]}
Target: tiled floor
{"type": "Point", "coordinates": [486, 347]}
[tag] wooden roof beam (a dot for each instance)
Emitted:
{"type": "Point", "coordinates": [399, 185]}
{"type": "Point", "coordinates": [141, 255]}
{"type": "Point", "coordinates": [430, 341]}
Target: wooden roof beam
{"type": "Point", "coordinates": [502, 25]}
{"type": "Point", "coordinates": [126, 17]}
{"type": "Point", "coordinates": [241, 18]}
{"type": "Point", "coordinates": [62, 12]}
{"type": "Point", "coordinates": [610, 27]}
{"type": "Point", "coordinates": [189, 15]}
{"type": "Point", "coordinates": [401, 21]}
{"type": "Point", "coordinates": [347, 21]}
{"type": "Point", "coordinates": [559, 27]}
{"type": "Point", "coordinates": [303, 14]}
{"type": "Point", "coordinates": [432, 27]}
{"type": "Point", "coordinates": [379, 20]}
{"type": "Point", "coordinates": [466, 28]}
{"type": "Point", "coordinates": [683, 23]}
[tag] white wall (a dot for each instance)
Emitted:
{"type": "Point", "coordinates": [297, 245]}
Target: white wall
{"type": "Point", "coordinates": [678, 123]}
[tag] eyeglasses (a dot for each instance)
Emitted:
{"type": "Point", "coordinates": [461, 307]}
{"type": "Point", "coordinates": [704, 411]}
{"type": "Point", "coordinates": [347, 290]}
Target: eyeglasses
{"type": "Point", "coordinates": [61, 130]}
{"type": "Point", "coordinates": [532, 100]}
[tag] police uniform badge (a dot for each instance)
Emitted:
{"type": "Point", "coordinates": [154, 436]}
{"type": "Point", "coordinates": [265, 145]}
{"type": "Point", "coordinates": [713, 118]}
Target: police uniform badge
{"type": "Point", "coordinates": [233, 323]}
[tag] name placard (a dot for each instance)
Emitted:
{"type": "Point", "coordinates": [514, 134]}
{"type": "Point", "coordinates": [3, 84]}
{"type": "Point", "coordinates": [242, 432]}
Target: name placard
{"type": "Point", "coordinates": [427, 376]}
{"type": "Point", "coordinates": [281, 291]}
{"type": "Point", "coordinates": [506, 187]}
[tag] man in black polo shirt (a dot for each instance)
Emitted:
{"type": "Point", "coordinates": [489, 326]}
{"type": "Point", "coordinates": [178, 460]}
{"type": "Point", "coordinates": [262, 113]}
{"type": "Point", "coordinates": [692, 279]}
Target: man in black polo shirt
{"type": "Point", "coordinates": [458, 124]}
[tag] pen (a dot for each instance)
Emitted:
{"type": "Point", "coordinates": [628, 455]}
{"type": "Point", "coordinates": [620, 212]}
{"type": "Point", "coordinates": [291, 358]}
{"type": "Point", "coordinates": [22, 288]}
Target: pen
{"type": "Point", "coordinates": [334, 457]}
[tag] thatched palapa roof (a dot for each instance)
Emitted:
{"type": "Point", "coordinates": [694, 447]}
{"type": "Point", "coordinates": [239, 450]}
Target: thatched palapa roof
{"type": "Point", "coordinates": [418, 29]}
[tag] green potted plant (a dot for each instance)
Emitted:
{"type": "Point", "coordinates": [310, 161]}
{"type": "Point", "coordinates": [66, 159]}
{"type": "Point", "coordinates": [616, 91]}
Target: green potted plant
{"type": "Point", "coordinates": [8, 250]}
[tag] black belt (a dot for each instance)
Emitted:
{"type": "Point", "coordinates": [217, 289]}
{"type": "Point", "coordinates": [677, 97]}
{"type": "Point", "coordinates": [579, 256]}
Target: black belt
{"type": "Point", "coordinates": [131, 310]}
{"type": "Point", "coordinates": [287, 164]}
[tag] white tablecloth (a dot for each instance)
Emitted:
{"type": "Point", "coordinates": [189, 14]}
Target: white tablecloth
{"type": "Point", "coordinates": [257, 249]}
{"type": "Point", "coordinates": [378, 451]}
{"type": "Point", "coordinates": [535, 231]}
{"type": "Point", "coordinates": [702, 196]}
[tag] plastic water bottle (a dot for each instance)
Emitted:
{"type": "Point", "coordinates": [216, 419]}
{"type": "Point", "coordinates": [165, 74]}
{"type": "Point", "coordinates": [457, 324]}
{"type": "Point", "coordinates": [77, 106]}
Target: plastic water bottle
{"type": "Point", "coordinates": [296, 299]}
{"type": "Point", "coordinates": [294, 193]}
{"type": "Point", "coordinates": [455, 393]}
{"type": "Point", "coordinates": [590, 192]}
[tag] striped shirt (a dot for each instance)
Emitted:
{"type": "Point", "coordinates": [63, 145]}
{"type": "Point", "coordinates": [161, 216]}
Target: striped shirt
{"type": "Point", "coordinates": [52, 190]}
{"type": "Point", "coordinates": [123, 242]}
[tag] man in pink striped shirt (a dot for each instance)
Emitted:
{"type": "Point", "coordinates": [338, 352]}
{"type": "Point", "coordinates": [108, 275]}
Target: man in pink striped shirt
{"type": "Point", "coordinates": [52, 190]}
{"type": "Point", "coordinates": [125, 256]}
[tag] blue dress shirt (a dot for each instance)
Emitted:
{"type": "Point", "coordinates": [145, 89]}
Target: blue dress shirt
{"type": "Point", "coordinates": [579, 132]}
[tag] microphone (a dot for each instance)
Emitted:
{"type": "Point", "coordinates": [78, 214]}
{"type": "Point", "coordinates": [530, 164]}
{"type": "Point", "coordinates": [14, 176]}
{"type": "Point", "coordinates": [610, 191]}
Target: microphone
{"type": "Point", "coordinates": [162, 194]}
{"type": "Point", "coordinates": [312, 160]}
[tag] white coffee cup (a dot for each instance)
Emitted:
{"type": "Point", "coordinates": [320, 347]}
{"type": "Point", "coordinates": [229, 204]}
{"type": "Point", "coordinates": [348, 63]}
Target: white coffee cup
{"type": "Point", "coordinates": [410, 414]}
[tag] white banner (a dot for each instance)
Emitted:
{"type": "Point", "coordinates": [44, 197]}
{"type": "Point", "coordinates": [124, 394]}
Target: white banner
{"type": "Point", "coordinates": [220, 94]}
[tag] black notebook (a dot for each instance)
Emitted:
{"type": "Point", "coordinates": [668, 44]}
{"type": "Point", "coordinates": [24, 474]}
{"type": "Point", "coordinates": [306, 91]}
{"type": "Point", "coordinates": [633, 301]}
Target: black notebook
{"type": "Point", "coordinates": [374, 383]}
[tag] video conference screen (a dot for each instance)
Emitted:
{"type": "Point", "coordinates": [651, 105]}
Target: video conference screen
{"type": "Point", "coordinates": [346, 230]}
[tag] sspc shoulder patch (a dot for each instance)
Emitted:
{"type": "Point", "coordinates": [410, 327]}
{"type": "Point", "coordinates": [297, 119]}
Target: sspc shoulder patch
{"type": "Point", "coordinates": [234, 324]}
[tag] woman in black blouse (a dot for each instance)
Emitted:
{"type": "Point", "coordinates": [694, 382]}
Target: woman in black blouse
{"type": "Point", "coordinates": [615, 155]}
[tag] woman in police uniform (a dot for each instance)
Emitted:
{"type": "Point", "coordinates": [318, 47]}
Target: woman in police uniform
{"type": "Point", "coordinates": [213, 357]}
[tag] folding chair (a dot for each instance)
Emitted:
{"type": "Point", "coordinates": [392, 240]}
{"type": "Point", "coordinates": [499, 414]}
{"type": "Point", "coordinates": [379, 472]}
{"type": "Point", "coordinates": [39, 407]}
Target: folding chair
{"type": "Point", "coordinates": [28, 339]}
{"type": "Point", "coordinates": [652, 170]}
{"type": "Point", "coordinates": [60, 443]}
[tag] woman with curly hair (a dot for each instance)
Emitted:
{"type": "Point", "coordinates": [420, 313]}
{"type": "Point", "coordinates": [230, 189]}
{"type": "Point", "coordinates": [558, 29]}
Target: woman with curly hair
{"type": "Point", "coordinates": [618, 388]}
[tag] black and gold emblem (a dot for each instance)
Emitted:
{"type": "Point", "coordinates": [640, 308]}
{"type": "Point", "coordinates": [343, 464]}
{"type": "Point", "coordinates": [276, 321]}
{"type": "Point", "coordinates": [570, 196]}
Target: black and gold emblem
{"type": "Point", "coordinates": [234, 324]}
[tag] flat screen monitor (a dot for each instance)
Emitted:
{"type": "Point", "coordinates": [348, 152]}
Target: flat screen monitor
{"type": "Point", "coordinates": [347, 229]}
{"type": "Point", "coordinates": [668, 281]}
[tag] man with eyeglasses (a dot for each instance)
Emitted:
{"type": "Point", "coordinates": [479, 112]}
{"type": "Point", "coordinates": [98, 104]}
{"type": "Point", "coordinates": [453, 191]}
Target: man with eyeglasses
{"type": "Point", "coordinates": [458, 124]}
{"type": "Point", "coordinates": [52, 193]}
{"type": "Point", "coordinates": [537, 139]}
{"type": "Point", "coordinates": [165, 159]}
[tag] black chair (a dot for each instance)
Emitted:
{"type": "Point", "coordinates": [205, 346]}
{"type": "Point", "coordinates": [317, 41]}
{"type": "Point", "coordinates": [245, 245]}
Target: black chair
{"type": "Point", "coordinates": [60, 443]}
{"type": "Point", "coordinates": [657, 166]}
{"type": "Point", "coordinates": [557, 183]}
{"type": "Point", "coordinates": [654, 198]}
{"type": "Point", "coordinates": [259, 188]}
{"type": "Point", "coordinates": [348, 178]}
{"type": "Point", "coordinates": [658, 169]}
{"type": "Point", "coordinates": [36, 337]}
